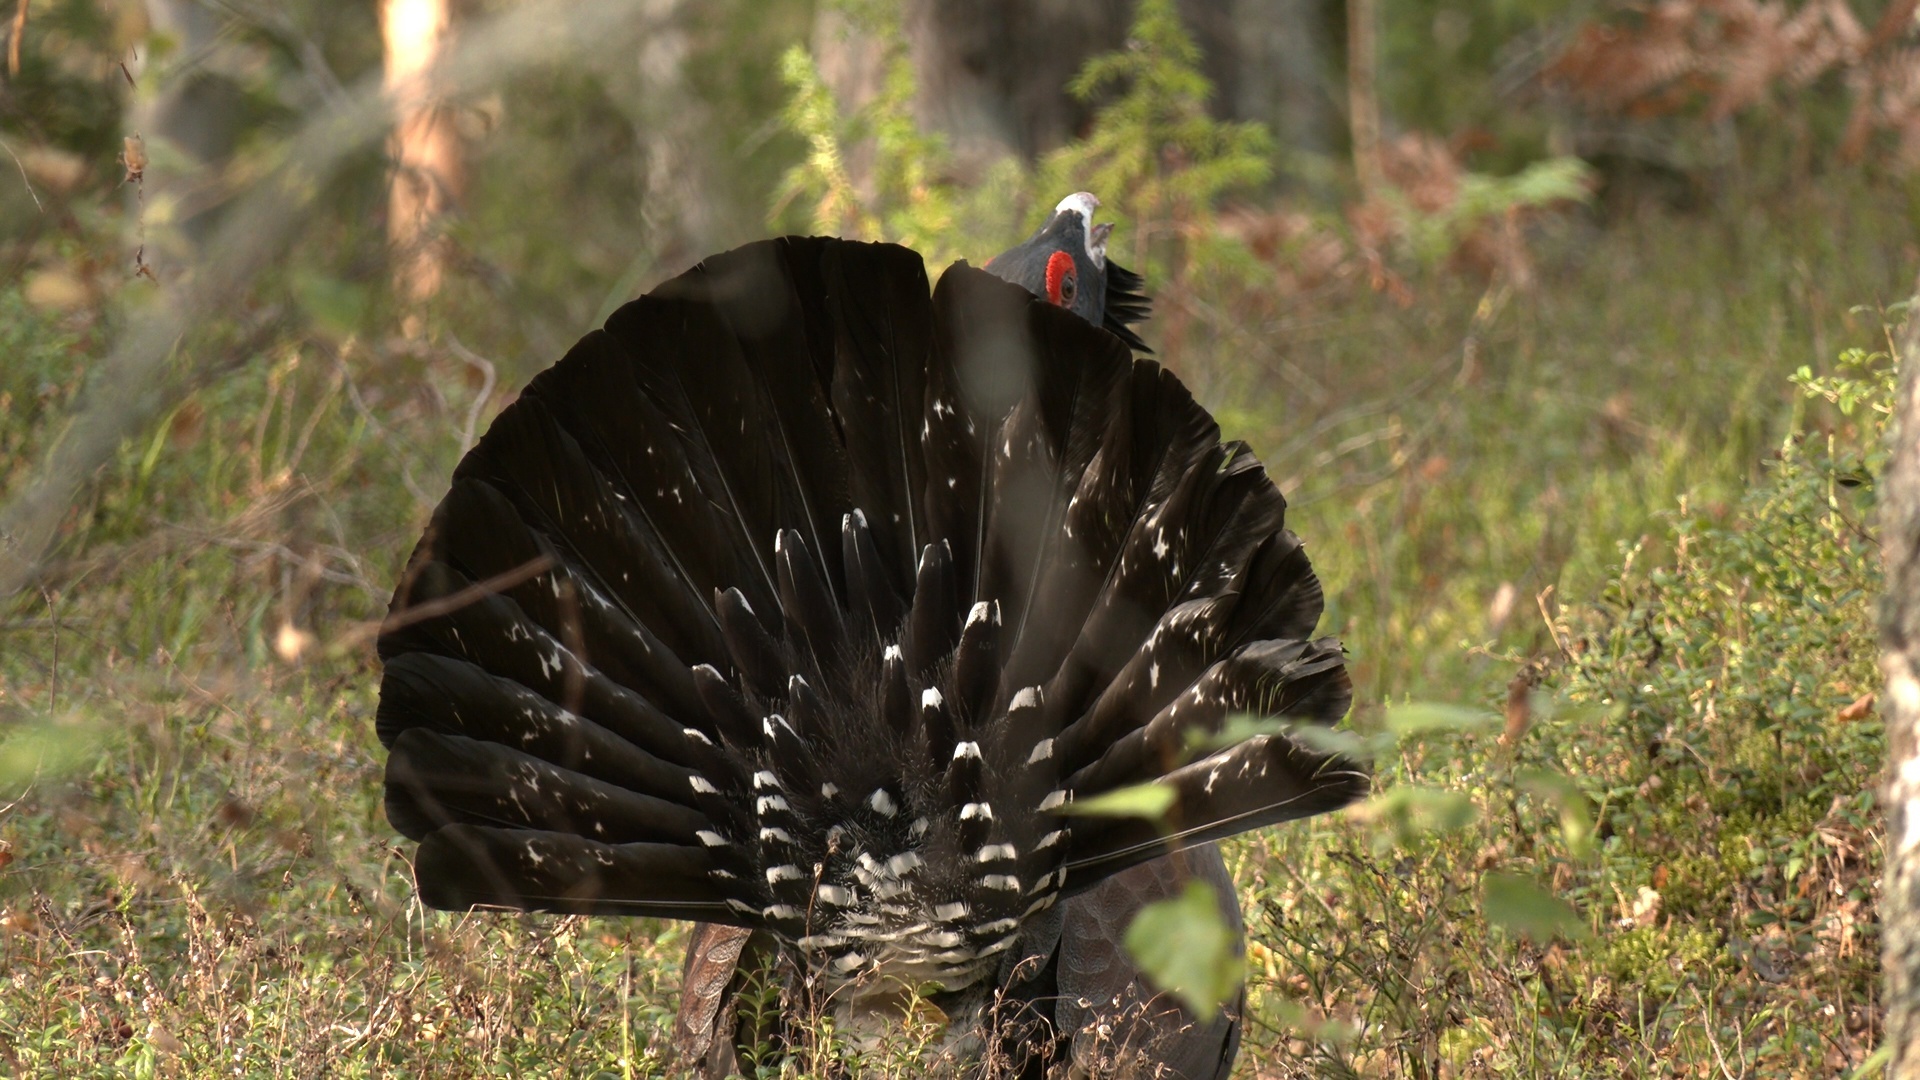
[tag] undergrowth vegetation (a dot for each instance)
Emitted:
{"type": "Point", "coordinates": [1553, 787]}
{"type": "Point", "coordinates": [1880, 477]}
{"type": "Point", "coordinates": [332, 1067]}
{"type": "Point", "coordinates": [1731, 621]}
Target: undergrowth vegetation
{"type": "Point", "coordinates": [1604, 564]}
{"type": "Point", "coordinates": [1665, 855]}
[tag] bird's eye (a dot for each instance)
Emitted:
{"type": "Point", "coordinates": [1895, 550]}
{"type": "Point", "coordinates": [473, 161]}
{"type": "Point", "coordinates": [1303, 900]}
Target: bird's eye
{"type": "Point", "coordinates": [1060, 275]}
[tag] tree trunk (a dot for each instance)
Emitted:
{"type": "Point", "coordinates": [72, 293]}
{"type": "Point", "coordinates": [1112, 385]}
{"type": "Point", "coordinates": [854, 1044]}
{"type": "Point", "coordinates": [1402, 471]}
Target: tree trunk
{"type": "Point", "coordinates": [994, 75]}
{"type": "Point", "coordinates": [1268, 60]}
{"type": "Point", "coordinates": [427, 172]}
{"type": "Point", "coordinates": [1900, 664]}
{"type": "Point", "coordinates": [1363, 93]}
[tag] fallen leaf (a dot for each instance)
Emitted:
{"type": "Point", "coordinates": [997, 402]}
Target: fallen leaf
{"type": "Point", "coordinates": [1645, 910]}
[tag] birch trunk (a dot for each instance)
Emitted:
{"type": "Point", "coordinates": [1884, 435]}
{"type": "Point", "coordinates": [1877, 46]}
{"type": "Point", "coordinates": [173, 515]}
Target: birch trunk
{"type": "Point", "coordinates": [427, 171]}
{"type": "Point", "coordinates": [1900, 664]}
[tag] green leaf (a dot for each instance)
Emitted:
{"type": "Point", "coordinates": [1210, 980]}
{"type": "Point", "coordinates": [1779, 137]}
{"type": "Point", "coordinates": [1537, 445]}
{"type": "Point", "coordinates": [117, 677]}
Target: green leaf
{"type": "Point", "coordinates": [44, 750]}
{"type": "Point", "coordinates": [1418, 718]}
{"type": "Point", "coordinates": [1186, 948]}
{"type": "Point", "coordinates": [1576, 817]}
{"type": "Point", "coordinates": [1149, 800]}
{"type": "Point", "coordinates": [1413, 809]}
{"type": "Point", "coordinates": [1240, 727]}
{"type": "Point", "coordinates": [1237, 729]}
{"type": "Point", "coordinates": [1327, 740]}
{"type": "Point", "coordinates": [1515, 904]}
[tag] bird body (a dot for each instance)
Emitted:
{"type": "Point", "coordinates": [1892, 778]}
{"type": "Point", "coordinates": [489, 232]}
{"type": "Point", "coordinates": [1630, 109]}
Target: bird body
{"type": "Point", "coordinates": [805, 602]}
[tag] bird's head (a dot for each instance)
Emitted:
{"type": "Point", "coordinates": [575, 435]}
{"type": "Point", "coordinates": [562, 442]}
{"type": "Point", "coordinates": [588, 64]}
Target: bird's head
{"type": "Point", "coordinates": [1065, 263]}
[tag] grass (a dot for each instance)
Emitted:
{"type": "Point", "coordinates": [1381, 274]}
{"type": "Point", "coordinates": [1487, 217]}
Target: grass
{"type": "Point", "coordinates": [197, 878]}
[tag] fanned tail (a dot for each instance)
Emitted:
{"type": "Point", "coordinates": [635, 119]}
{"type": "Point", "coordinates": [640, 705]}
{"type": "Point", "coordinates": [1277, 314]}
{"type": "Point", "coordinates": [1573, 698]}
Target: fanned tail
{"type": "Point", "coordinates": [827, 597]}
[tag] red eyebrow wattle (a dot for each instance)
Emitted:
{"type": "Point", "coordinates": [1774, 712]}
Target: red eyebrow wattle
{"type": "Point", "coordinates": [1059, 265]}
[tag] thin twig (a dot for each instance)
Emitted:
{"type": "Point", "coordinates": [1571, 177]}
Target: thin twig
{"type": "Point", "coordinates": [53, 679]}
{"type": "Point", "coordinates": [488, 378]}
{"type": "Point", "coordinates": [21, 164]}
{"type": "Point", "coordinates": [454, 601]}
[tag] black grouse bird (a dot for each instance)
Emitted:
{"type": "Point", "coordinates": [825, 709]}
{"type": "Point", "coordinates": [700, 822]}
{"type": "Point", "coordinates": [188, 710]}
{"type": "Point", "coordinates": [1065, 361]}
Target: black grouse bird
{"type": "Point", "coordinates": [804, 601]}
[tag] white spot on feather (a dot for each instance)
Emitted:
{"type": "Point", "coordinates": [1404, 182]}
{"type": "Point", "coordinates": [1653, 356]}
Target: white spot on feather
{"type": "Point", "coordinates": [882, 802]}
{"type": "Point", "coordinates": [1042, 750]}
{"type": "Point", "coordinates": [1000, 946]}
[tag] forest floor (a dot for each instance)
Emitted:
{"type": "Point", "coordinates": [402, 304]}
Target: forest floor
{"type": "Point", "coordinates": [1592, 518]}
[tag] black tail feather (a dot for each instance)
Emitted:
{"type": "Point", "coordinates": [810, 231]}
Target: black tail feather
{"type": "Point", "coordinates": [464, 866]}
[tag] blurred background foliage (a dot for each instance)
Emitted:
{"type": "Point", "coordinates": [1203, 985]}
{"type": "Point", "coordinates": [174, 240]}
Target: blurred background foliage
{"type": "Point", "coordinates": [1572, 360]}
